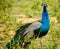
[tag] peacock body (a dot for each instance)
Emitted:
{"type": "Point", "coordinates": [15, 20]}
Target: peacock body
{"type": "Point", "coordinates": [35, 29]}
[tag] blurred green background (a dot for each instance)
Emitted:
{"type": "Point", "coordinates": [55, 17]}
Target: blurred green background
{"type": "Point", "coordinates": [14, 13]}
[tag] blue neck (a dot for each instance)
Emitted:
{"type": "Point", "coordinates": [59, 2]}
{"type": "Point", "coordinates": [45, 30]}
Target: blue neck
{"type": "Point", "coordinates": [45, 18]}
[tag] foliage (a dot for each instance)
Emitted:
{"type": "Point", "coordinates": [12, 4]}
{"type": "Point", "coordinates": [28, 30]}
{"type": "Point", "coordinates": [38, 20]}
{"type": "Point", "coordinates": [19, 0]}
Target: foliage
{"type": "Point", "coordinates": [12, 10]}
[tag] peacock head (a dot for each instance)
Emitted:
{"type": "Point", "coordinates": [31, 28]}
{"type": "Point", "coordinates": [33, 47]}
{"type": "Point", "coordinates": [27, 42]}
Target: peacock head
{"type": "Point", "coordinates": [44, 5]}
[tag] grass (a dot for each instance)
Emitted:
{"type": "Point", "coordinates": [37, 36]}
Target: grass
{"type": "Point", "coordinates": [50, 41]}
{"type": "Point", "coordinates": [24, 11]}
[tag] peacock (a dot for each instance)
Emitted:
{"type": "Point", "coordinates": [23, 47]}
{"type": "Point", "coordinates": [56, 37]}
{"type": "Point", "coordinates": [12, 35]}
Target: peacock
{"type": "Point", "coordinates": [32, 30]}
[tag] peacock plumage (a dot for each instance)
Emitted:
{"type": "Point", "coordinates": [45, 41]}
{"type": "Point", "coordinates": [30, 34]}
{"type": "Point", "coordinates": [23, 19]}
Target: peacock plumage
{"type": "Point", "coordinates": [31, 30]}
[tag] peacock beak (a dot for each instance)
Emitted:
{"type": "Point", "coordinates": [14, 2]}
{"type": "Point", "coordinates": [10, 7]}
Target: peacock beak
{"type": "Point", "coordinates": [42, 4]}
